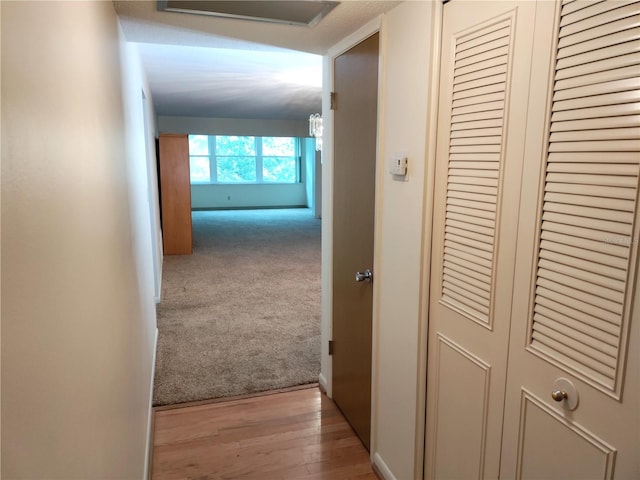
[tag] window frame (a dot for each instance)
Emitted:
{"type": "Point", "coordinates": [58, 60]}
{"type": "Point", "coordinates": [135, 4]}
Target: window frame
{"type": "Point", "coordinates": [259, 165]}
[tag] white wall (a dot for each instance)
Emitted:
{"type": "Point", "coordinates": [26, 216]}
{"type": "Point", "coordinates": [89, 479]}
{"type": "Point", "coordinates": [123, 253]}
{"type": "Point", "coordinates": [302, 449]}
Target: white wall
{"type": "Point", "coordinates": [400, 324]}
{"type": "Point", "coordinates": [248, 196]}
{"type": "Point", "coordinates": [78, 318]}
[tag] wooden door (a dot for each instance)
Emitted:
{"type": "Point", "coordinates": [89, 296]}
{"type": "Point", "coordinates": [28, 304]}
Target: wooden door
{"type": "Point", "coordinates": [175, 186]}
{"type": "Point", "coordinates": [575, 328]}
{"type": "Point", "coordinates": [484, 84]}
{"type": "Point", "coordinates": [355, 132]}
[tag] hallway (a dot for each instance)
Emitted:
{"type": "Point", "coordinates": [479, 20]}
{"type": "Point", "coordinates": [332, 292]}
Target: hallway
{"type": "Point", "coordinates": [296, 434]}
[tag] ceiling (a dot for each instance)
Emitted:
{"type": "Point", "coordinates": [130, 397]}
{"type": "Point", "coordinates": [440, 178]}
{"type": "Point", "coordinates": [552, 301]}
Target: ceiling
{"type": "Point", "coordinates": [206, 66]}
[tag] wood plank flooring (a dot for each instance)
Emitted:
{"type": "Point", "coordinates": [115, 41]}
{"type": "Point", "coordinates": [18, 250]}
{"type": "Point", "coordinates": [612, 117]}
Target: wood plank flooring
{"type": "Point", "coordinates": [287, 436]}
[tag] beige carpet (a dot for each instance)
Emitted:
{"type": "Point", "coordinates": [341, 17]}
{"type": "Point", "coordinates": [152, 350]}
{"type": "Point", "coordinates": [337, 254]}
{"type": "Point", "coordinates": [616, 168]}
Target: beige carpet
{"type": "Point", "coordinates": [242, 314]}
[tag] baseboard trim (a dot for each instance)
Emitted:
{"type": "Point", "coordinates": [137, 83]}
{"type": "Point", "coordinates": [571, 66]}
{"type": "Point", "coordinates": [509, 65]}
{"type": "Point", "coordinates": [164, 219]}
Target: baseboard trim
{"type": "Point", "coordinates": [381, 468]}
{"type": "Point", "coordinates": [322, 380]}
{"type": "Point", "coordinates": [261, 207]}
{"type": "Point", "coordinates": [149, 448]}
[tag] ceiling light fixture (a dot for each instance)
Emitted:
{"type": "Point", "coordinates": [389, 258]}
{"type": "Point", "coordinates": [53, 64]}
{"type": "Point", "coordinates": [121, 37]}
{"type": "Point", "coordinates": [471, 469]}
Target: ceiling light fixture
{"type": "Point", "coordinates": [291, 12]}
{"type": "Point", "coordinates": [315, 129]}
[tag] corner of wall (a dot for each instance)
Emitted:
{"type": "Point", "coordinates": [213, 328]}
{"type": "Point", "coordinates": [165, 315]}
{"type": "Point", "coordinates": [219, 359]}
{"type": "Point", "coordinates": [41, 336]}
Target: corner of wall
{"type": "Point", "coordinates": [381, 468]}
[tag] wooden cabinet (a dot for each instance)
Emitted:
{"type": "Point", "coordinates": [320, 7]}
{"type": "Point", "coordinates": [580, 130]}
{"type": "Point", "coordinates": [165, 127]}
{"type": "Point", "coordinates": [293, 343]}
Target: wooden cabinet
{"type": "Point", "coordinates": [175, 189]}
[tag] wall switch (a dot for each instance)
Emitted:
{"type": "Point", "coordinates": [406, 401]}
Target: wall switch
{"type": "Point", "coordinates": [398, 165]}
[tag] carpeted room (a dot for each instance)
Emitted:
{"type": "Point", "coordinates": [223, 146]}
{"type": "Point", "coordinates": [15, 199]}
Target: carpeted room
{"type": "Point", "coordinates": [242, 313]}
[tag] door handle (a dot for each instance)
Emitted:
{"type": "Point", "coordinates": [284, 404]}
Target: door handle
{"type": "Point", "coordinates": [365, 276]}
{"type": "Point", "coordinates": [564, 392]}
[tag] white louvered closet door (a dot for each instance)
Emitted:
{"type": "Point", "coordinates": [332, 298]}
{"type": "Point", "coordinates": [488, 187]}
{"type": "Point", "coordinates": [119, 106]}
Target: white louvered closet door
{"type": "Point", "coordinates": [485, 74]}
{"type": "Point", "coordinates": [574, 316]}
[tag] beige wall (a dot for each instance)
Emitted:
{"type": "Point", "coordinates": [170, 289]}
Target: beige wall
{"type": "Point", "coordinates": [78, 323]}
{"type": "Point", "coordinates": [399, 323]}
{"type": "Point", "coordinates": [233, 126]}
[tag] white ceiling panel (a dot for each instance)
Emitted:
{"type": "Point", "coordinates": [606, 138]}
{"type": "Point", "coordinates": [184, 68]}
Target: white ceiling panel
{"type": "Point", "coordinates": [207, 66]}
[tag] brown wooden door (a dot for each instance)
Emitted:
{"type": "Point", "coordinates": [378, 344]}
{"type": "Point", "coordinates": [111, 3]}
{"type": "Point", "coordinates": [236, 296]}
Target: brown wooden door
{"type": "Point", "coordinates": [355, 124]}
{"type": "Point", "coordinates": [175, 185]}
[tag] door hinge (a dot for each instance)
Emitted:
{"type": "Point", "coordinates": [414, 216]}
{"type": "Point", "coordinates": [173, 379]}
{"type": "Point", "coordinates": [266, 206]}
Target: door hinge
{"type": "Point", "coordinates": [333, 101]}
{"type": "Point", "coordinates": [330, 347]}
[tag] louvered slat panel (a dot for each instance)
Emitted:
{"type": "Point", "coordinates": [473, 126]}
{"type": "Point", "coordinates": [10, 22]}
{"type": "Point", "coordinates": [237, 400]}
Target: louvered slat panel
{"type": "Point", "coordinates": [590, 106]}
{"type": "Point", "coordinates": [468, 180]}
{"type": "Point", "coordinates": [597, 350]}
{"type": "Point", "coordinates": [483, 48]}
{"type": "Point", "coordinates": [598, 369]}
{"type": "Point", "coordinates": [476, 116]}
{"type": "Point", "coordinates": [598, 77]}
{"type": "Point", "coordinates": [463, 102]}
{"type": "Point", "coordinates": [594, 157]}
{"type": "Point", "coordinates": [481, 66]}
{"type": "Point", "coordinates": [487, 140]}
{"type": "Point", "coordinates": [592, 245]}
{"type": "Point", "coordinates": [495, 53]}
{"type": "Point", "coordinates": [608, 13]}
{"type": "Point", "coordinates": [474, 276]}
{"type": "Point", "coordinates": [478, 107]}
{"type": "Point", "coordinates": [563, 313]}
{"type": "Point", "coordinates": [471, 212]}
{"type": "Point", "coordinates": [590, 198]}
{"type": "Point", "coordinates": [478, 133]}
{"type": "Point", "coordinates": [588, 146]}
{"type": "Point", "coordinates": [479, 147]}
{"type": "Point", "coordinates": [580, 250]}
{"type": "Point", "coordinates": [598, 123]}
{"type": "Point", "coordinates": [599, 134]}
{"type": "Point", "coordinates": [572, 349]}
{"type": "Point", "coordinates": [593, 178]}
{"type": "Point", "coordinates": [594, 191]}
{"type": "Point", "coordinates": [589, 201]}
{"type": "Point", "coordinates": [575, 321]}
{"type": "Point", "coordinates": [569, 7]}
{"type": "Point", "coordinates": [547, 290]}
{"type": "Point", "coordinates": [597, 89]}
{"type": "Point", "coordinates": [593, 10]}
{"type": "Point", "coordinates": [613, 51]}
{"type": "Point", "coordinates": [500, 30]}
{"type": "Point", "coordinates": [606, 63]}
{"type": "Point", "coordinates": [583, 38]}
{"type": "Point", "coordinates": [473, 188]}
{"type": "Point", "coordinates": [466, 255]}
{"type": "Point", "coordinates": [558, 221]}
{"type": "Point", "coordinates": [468, 285]}
{"type": "Point", "coordinates": [595, 271]}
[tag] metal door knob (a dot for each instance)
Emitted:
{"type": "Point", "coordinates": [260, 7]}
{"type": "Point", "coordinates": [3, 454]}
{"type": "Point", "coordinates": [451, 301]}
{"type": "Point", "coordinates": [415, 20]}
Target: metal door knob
{"type": "Point", "coordinates": [564, 392]}
{"type": "Point", "coordinates": [365, 276]}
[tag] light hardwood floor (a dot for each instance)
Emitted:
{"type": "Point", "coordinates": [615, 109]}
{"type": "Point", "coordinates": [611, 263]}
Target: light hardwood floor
{"type": "Point", "coordinates": [289, 436]}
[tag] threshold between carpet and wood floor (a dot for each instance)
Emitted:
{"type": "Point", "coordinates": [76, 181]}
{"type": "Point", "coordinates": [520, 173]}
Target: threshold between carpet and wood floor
{"type": "Point", "coordinates": [299, 434]}
{"type": "Point", "coordinates": [242, 313]}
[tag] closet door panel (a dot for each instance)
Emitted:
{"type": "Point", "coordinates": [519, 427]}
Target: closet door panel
{"type": "Point", "coordinates": [573, 355]}
{"type": "Point", "coordinates": [486, 56]}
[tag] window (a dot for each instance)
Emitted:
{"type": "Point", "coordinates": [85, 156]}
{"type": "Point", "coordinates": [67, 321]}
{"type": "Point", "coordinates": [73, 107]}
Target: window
{"type": "Point", "coordinates": [244, 159]}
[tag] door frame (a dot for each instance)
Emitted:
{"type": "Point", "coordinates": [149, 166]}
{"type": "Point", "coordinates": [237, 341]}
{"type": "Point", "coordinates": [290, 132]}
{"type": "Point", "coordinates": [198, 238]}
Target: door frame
{"type": "Point", "coordinates": [427, 234]}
